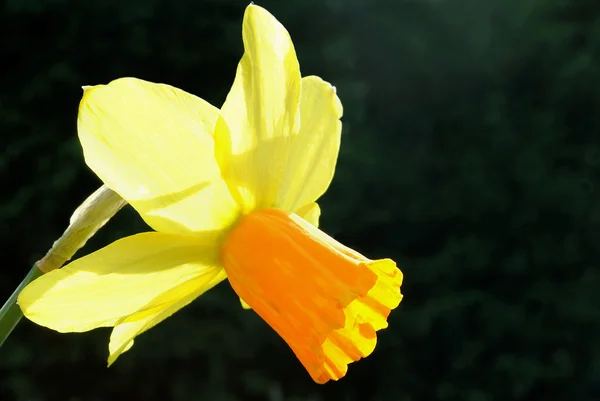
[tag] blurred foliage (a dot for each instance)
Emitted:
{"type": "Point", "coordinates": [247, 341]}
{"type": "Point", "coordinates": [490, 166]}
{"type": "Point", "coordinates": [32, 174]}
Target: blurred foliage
{"type": "Point", "coordinates": [470, 155]}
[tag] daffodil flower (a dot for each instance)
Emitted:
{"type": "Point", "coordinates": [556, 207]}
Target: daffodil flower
{"type": "Point", "coordinates": [231, 194]}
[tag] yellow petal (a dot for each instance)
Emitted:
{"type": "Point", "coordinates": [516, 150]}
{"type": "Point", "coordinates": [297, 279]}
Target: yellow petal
{"type": "Point", "coordinates": [314, 149]}
{"type": "Point", "coordinates": [133, 275]}
{"type": "Point", "coordinates": [310, 212]}
{"type": "Point", "coordinates": [260, 112]}
{"type": "Point", "coordinates": [153, 145]}
{"type": "Point", "coordinates": [121, 339]}
{"type": "Point", "coordinates": [245, 304]}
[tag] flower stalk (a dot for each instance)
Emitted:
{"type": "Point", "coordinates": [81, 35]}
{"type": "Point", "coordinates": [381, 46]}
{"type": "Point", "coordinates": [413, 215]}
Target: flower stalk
{"type": "Point", "coordinates": [87, 219]}
{"type": "Point", "coordinates": [11, 314]}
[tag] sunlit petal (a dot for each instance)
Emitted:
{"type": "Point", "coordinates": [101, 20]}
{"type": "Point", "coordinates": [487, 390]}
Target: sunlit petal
{"type": "Point", "coordinates": [133, 275]}
{"type": "Point", "coordinates": [310, 212]}
{"type": "Point", "coordinates": [245, 304]}
{"type": "Point", "coordinates": [123, 334]}
{"type": "Point", "coordinates": [314, 149]}
{"type": "Point", "coordinates": [153, 145]}
{"type": "Point", "coordinates": [260, 112]}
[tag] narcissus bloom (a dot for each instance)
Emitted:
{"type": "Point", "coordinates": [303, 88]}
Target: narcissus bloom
{"type": "Point", "coordinates": [231, 194]}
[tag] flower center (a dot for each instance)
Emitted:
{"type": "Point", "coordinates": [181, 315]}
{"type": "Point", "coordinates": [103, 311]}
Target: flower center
{"type": "Point", "coordinates": [324, 299]}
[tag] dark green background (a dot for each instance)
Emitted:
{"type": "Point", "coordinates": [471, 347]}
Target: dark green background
{"type": "Point", "coordinates": [470, 155]}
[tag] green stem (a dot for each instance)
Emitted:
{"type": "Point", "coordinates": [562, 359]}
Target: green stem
{"type": "Point", "coordinates": [10, 314]}
{"type": "Point", "coordinates": [88, 218]}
